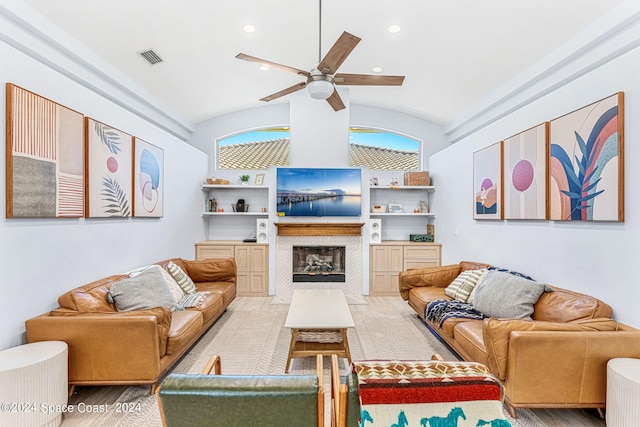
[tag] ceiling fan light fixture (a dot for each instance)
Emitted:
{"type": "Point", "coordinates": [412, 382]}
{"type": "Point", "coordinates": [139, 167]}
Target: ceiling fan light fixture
{"type": "Point", "coordinates": [319, 88]}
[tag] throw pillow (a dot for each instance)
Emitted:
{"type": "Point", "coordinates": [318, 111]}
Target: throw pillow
{"type": "Point", "coordinates": [506, 296]}
{"type": "Point", "coordinates": [461, 287]}
{"type": "Point", "coordinates": [515, 273]}
{"type": "Point", "coordinates": [173, 286]}
{"type": "Point", "coordinates": [181, 278]}
{"type": "Point", "coordinates": [146, 290]}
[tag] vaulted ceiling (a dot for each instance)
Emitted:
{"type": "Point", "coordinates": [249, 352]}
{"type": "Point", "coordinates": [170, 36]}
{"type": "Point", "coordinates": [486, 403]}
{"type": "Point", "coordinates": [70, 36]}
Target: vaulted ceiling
{"type": "Point", "coordinates": [452, 52]}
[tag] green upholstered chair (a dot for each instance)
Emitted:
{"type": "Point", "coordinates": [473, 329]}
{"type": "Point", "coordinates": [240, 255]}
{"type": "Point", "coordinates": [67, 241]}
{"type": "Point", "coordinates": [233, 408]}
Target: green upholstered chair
{"type": "Point", "coordinates": [188, 400]}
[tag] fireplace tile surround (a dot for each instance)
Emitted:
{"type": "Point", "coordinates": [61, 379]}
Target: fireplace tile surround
{"type": "Point", "coordinates": [311, 235]}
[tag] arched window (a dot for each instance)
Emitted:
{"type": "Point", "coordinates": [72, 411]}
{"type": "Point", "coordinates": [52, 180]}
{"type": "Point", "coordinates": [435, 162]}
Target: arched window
{"type": "Point", "coordinates": [383, 150]}
{"type": "Point", "coordinates": [256, 149]}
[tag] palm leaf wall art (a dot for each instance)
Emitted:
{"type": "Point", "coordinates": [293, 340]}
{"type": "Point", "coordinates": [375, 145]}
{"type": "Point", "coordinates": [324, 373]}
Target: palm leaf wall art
{"type": "Point", "coordinates": [586, 168]}
{"type": "Point", "coordinates": [109, 154]}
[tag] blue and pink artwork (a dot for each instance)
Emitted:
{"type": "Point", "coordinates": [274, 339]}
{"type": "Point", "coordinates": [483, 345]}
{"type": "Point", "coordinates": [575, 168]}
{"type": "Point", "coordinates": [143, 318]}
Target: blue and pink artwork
{"type": "Point", "coordinates": [148, 180]}
{"type": "Point", "coordinates": [487, 182]}
{"type": "Point", "coordinates": [586, 176]}
{"type": "Point", "coordinates": [525, 159]}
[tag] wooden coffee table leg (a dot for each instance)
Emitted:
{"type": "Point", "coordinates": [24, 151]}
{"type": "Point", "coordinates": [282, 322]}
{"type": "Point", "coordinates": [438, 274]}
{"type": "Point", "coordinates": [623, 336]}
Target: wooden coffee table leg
{"type": "Point", "coordinates": [292, 346]}
{"type": "Point", "coordinates": [345, 344]}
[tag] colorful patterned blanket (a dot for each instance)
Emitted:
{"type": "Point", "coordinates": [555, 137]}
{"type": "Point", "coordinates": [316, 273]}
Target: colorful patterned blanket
{"type": "Point", "coordinates": [429, 394]}
{"type": "Point", "coordinates": [441, 310]}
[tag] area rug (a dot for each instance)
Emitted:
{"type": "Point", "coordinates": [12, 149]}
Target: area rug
{"type": "Point", "coordinates": [251, 339]}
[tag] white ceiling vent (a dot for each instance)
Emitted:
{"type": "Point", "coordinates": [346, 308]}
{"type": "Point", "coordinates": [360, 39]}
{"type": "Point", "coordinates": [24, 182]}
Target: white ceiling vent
{"type": "Point", "coordinates": [150, 56]}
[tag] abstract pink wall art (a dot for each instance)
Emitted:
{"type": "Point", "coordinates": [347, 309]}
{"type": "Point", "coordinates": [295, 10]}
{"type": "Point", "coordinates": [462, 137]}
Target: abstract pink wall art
{"type": "Point", "coordinates": [525, 160]}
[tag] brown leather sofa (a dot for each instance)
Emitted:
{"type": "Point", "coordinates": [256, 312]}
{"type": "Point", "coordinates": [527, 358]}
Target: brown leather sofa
{"type": "Point", "coordinates": [107, 347]}
{"type": "Point", "coordinates": [556, 360]}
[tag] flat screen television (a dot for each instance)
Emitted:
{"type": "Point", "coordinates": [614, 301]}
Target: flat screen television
{"type": "Point", "coordinates": [318, 192]}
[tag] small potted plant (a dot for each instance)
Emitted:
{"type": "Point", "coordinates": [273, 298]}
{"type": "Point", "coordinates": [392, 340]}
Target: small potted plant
{"type": "Point", "coordinates": [244, 179]}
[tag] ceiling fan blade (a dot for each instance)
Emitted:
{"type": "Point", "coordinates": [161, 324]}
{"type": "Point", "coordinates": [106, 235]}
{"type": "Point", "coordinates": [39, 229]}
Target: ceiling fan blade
{"type": "Point", "coordinates": [338, 53]}
{"type": "Point", "coordinates": [335, 101]}
{"type": "Point", "coordinates": [367, 80]}
{"type": "Point", "coordinates": [286, 68]}
{"type": "Point", "coordinates": [284, 92]}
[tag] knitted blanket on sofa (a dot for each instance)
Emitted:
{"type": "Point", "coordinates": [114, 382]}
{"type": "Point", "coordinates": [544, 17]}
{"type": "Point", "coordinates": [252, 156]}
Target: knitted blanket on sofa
{"type": "Point", "coordinates": [441, 310]}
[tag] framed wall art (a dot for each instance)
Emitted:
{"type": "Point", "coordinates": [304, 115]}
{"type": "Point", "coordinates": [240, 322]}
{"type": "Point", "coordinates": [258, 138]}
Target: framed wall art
{"type": "Point", "coordinates": [487, 182]}
{"type": "Point", "coordinates": [109, 171]}
{"type": "Point", "coordinates": [525, 174]}
{"type": "Point", "coordinates": [44, 157]}
{"type": "Point", "coordinates": [586, 167]}
{"type": "Point", "coordinates": [148, 179]}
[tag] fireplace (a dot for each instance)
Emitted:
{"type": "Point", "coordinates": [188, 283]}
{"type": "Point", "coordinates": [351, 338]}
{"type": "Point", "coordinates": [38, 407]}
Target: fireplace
{"type": "Point", "coordinates": [318, 263]}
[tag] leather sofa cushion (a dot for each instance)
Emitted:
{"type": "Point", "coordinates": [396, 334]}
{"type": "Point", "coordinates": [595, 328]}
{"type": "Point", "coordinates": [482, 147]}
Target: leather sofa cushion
{"type": "Point", "coordinates": [446, 330]}
{"type": "Point", "coordinates": [563, 305]}
{"type": "Point", "coordinates": [468, 336]}
{"type": "Point", "coordinates": [496, 334]}
{"type": "Point", "coordinates": [227, 290]}
{"type": "Point", "coordinates": [438, 277]}
{"type": "Point", "coordinates": [210, 307]}
{"type": "Point", "coordinates": [90, 297]}
{"type": "Point", "coordinates": [185, 325]}
{"type": "Point", "coordinates": [211, 270]}
{"type": "Point", "coordinates": [420, 297]}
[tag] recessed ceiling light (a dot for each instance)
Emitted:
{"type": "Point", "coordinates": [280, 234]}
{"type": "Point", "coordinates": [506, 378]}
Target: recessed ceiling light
{"type": "Point", "coordinates": [264, 67]}
{"type": "Point", "coordinates": [249, 28]}
{"type": "Point", "coordinates": [394, 28]}
{"type": "Point", "coordinates": [377, 69]}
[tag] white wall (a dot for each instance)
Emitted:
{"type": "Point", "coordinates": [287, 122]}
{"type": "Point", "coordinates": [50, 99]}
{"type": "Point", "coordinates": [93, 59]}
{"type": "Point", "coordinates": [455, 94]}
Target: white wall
{"type": "Point", "coordinates": [43, 258]}
{"type": "Point", "coordinates": [596, 258]}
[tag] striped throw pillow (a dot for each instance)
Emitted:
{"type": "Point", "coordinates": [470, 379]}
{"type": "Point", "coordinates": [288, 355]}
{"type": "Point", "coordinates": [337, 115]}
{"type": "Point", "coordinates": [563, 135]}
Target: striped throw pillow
{"type": "Point", "coordinates": [181, 277]}
{"type": "Point", "coordinates": [461, 287]}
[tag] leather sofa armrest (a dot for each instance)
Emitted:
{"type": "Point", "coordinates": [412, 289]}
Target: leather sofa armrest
{"type": "Point", "coordinates": [440, 276]}
{"type": "Point", "coordinates": [103, 346]}
{"type": "Point", "coordinates": [211, 270]}
{"type": "Point", "coordinates": [162, 316]}
{"type": "Point", "coordinates": [562, 366]}
{"type": "Point", "coordinates": [497, 335]}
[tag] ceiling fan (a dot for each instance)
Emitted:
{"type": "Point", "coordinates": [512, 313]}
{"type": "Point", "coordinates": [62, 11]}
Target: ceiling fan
{"type": "Point", "coordinates": [321, 80]}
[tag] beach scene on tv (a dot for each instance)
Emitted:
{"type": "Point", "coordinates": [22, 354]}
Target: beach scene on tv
{"type": "Point", "coordinates": [318, 192]}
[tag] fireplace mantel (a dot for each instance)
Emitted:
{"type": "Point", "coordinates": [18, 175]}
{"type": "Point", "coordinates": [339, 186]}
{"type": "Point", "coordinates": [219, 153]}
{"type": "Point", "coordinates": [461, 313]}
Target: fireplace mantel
{"type": "Point", "coordinates": [319, 228]}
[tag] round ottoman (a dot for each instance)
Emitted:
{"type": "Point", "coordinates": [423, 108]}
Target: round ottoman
{"type": "Point", "coordinates": [623, 392]}
{"type": "Point", "coordinates": [33, 384]}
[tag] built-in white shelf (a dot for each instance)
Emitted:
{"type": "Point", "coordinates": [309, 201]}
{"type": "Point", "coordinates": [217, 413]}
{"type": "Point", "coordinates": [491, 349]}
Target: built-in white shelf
{"type": "Point", "coordinates": [403, 187]}
{"type": "Point", "coordinates": [403, 214]}
{"type": "Point", "coordinates": [235, 213]}
{"type": "Point", "coordinates": [234, 186]}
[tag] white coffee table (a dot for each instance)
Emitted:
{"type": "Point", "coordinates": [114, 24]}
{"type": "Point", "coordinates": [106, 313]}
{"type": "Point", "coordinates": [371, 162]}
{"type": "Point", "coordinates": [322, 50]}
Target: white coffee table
{"type": "Point", "coordinates": [318, 319]}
